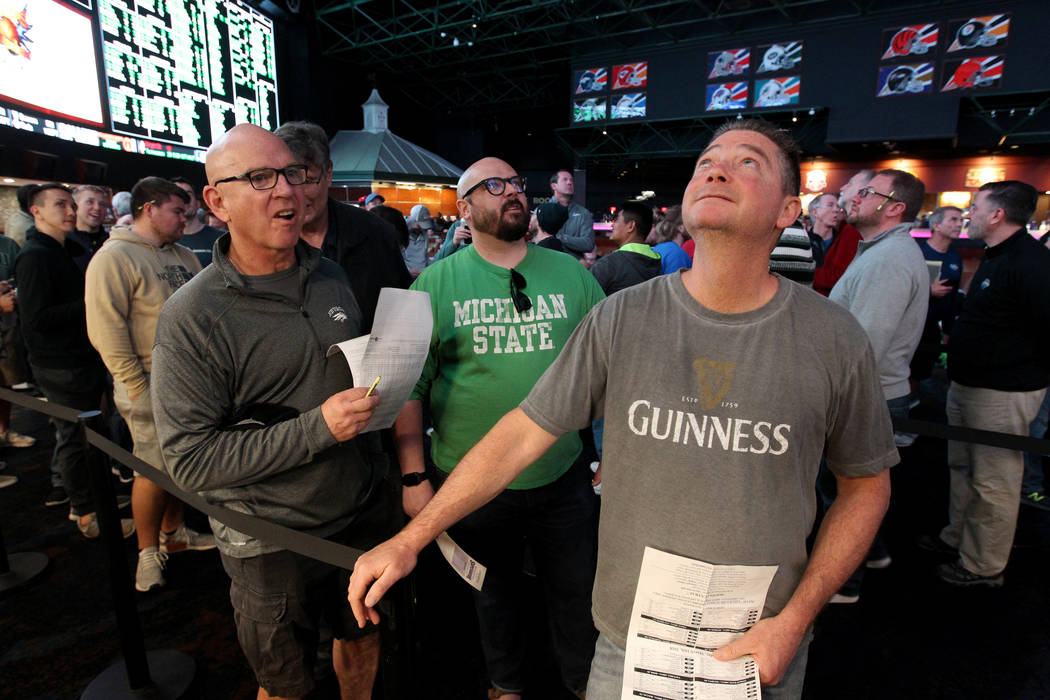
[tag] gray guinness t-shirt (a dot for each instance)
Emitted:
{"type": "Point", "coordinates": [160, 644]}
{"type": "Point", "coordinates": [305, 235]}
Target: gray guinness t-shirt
{"type": "Point", "coordinates": [714, 426]}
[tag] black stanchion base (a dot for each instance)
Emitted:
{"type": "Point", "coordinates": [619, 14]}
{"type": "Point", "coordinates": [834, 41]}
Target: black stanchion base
{"type": "Point", "coordinates": [25, 566]}
{"type": "Point", "coordinates": [171, 670]}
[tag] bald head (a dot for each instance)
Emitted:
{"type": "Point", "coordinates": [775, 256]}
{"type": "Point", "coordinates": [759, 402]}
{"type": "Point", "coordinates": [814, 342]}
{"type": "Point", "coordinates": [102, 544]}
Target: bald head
{"type": "Point", "coordinates": [484, 168]}
{"type": "Point", "coordinates": [232, 153]}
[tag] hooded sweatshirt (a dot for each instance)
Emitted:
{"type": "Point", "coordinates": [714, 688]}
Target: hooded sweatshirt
{"type": "Point", "coordinates": [128, 281]}
{"type": "Point", "coordinates": [239, 376]}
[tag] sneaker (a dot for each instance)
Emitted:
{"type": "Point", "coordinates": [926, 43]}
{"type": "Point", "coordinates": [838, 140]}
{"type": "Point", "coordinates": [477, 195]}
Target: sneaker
{"type": "Point", "coordinates": [1036, 499]}
{"type": "Point", "coordinates": [185, 539]}
{"type": "Point", "coordinates": [933, 543]}
{"type": "Point", "coordinates": [149, 574]}
{"type": "Point", "coordinates": [7, 480]}
{"type": "Point", "coordinates": [904, 439]}
{"type": "Point", "coordinates": [844, 598]}
{"type": "Point", "coordinates": [56, 496]}
{"type": "Point", "coordinates": [123, 474]}
{"type": "Point", "coordinates": [879, 563]}
{"type": "Point", "coordinates": [958, 575]}
{"type": "Point", "coordinates": [91, 529]}
{"type": "Point", "coordinates": [123, 501]}
{"type": "Point", "coordinates": [13, 439]}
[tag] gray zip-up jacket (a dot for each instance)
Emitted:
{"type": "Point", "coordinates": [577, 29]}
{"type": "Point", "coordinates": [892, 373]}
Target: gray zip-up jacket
{"type": "Point", "coordinates": [238, 380]}
{"type": "Point", "coordinates": [887, 289]}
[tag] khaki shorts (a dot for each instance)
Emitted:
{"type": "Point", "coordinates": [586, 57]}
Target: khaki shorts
{"type": "Point", "coordinates": [279, 599]}
{"type": "Point", "coordinates": [139, 417]}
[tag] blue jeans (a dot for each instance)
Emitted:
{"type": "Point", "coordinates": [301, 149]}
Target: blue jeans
{"type": "Point", "coordinates": [606, 679]}
{"type": "Point", "coordinates": [558, 525]}
{"type": "Point", "coordinates": [1033, 463]}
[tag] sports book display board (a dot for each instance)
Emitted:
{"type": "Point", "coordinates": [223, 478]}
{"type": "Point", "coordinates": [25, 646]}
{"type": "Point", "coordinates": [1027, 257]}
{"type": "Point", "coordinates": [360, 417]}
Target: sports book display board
{"type": "Point", "coordinates": [156, 77]}
{"type": "Point", "coordinates": [966, 63]}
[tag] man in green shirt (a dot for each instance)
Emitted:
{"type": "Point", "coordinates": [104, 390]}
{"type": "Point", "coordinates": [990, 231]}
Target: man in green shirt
{"type": "Point", "coordinates": [503, 310]}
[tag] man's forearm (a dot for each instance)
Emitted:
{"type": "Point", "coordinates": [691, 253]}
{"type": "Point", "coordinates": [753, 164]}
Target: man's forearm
{"type": "Point", "coordinates": [842, 542]}
{"type": "Point", "coordinates": [408, 437]}
{"type": "Point", "coordinates": [507, 449]}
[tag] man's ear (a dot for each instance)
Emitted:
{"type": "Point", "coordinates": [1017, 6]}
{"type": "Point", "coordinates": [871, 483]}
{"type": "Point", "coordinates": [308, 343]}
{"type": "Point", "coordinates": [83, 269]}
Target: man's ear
{"type": "Point", "coordinates": [463, 207]}
{"type": "Point", "coordinates": [213, 200]}
{"type": "Point", "coordinates": [789, 212]}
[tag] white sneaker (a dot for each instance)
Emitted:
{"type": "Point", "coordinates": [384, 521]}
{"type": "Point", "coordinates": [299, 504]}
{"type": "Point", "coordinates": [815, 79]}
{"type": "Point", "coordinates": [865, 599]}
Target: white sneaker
{"type": "Point", "coordinates": [150, 571]}
{"type": "Point", "coordinates": [91, 529]}
{"type": "Point", "coordinates": [185, 539]}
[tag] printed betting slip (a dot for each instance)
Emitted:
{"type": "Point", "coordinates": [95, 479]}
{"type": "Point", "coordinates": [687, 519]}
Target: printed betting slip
{"type": "Point", "coordinates": [396, 351]}
{"type": "Point", "coordinates": [685, 609]}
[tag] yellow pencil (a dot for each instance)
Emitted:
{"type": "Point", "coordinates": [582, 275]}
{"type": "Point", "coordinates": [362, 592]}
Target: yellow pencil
{"type": "Point", "coordinates": [372, 388]}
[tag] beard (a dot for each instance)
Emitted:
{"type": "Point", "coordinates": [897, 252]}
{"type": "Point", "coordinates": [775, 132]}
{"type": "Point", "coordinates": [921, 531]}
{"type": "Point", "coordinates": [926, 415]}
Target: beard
{"type": "Point", "coordinates": [505, 225]}
{"type": "Point", "coordinates": [858, 220]}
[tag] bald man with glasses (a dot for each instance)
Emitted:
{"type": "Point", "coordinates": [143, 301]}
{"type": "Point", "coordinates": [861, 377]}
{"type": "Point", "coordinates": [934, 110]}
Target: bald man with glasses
{"type": "Point", "coordinates": [503, 310]}
{"type": "Point", "coordinates": [248, 416]}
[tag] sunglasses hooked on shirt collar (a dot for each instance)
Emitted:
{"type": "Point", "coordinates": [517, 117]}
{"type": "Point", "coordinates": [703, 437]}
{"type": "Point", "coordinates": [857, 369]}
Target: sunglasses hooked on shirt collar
{"type": "Point", "coordinates": [517, 283]}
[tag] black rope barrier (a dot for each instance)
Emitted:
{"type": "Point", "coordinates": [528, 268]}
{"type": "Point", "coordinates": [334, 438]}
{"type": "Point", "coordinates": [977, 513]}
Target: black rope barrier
{"type": "Point", "coordinates": [301, 543]}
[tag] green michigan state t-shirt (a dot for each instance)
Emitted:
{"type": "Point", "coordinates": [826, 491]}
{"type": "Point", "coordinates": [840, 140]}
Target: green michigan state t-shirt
{"type": "Point", "coordinates": [485, 356]}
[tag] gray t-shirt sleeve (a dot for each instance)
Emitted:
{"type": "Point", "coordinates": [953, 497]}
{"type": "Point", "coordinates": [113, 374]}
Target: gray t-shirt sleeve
{"type": "Point", "coordinates": [571, 393]}
{"type": "Point", "coordinates": [860, 435]}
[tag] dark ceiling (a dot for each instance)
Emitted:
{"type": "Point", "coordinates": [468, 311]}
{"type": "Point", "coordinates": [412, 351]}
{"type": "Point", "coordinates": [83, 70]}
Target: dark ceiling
{"type": "Point", "coordinates": [494, 75]}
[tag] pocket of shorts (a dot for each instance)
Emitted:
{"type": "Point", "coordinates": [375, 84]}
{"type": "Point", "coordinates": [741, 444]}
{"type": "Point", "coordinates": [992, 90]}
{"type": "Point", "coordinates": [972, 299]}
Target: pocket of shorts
{"type": "Point", "coordinates": [268, 608]}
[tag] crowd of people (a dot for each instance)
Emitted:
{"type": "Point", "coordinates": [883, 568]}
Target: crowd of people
{"type": "Point", "coordinates": [787, 346]}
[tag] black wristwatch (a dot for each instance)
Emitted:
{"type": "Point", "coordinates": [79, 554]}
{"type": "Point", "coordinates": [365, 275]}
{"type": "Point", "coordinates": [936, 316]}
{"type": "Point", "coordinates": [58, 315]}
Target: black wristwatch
{"type": "Point", "coordinates": [413, 479]}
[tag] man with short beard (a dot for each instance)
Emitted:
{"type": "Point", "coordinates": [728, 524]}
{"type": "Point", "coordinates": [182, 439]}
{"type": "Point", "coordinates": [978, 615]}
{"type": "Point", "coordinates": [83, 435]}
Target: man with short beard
{"type": "Point", "coordinates": [503, 310]}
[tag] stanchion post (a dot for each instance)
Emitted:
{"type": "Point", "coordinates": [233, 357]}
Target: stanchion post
{"type": "Point", "coordinates": [132, 644]}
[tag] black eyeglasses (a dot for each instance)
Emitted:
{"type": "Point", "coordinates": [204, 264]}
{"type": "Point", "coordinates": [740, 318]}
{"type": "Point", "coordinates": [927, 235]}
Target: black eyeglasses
{"type": "Point", "coordinates": [498, 185]}
{"type": "Point", "coordinates": [266, 178]}
{"type": "Point", "coordinates": [866, 192]}
{"type": "Point", "coordinates": [517, 283]}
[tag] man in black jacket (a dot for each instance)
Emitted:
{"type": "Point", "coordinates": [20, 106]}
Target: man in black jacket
{"type": "Point", "coordinates": [362, 244]}
{"type": "Point", "coordinates": [633, 262]}
{"type": "Point", "coordinates": [65, 365]}
{"type": "Point", "coordinates": [999, 367]}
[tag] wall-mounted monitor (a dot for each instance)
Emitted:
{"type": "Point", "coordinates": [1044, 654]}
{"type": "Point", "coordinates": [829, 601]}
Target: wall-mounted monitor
{"type": "Point", "coordinates": [37, 41]}
{"type": "Point", "coordinates": [590, 110]}
{"type": "Point", "coordinates": [722, 96]}
{"type": "Point", "coordinates": [630, 105]}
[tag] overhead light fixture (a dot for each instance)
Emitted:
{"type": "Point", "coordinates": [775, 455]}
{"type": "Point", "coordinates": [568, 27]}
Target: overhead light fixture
{"type": "Point", "coordinates": [1031, 111]}
{"type": "Point", "coordinates": [443, 35]}
{"type": "Point", "coordinates": [455, 41]}
{"type": "Point", "coordinates": [739, 116]}
{"type": "Point", "coordinates": [604, 132]}
{"type": "Point", "coordinates": [794, 117]}
{"type": "Point", "coordinates": [812, 111]}
{"type": "Point", "coordinates": [1012, 111]}
{"type": "Point", "coordinates": [993, 114]}
{"type": "Point", "coordinates": [8, 179]}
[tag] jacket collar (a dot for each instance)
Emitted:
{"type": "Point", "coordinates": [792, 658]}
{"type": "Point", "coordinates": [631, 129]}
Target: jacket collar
{"type": "Point", "coordinates": [306, 257]}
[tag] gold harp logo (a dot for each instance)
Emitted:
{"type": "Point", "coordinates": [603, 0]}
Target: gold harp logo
{"type": "Point", "coordinates": [713, 380]}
